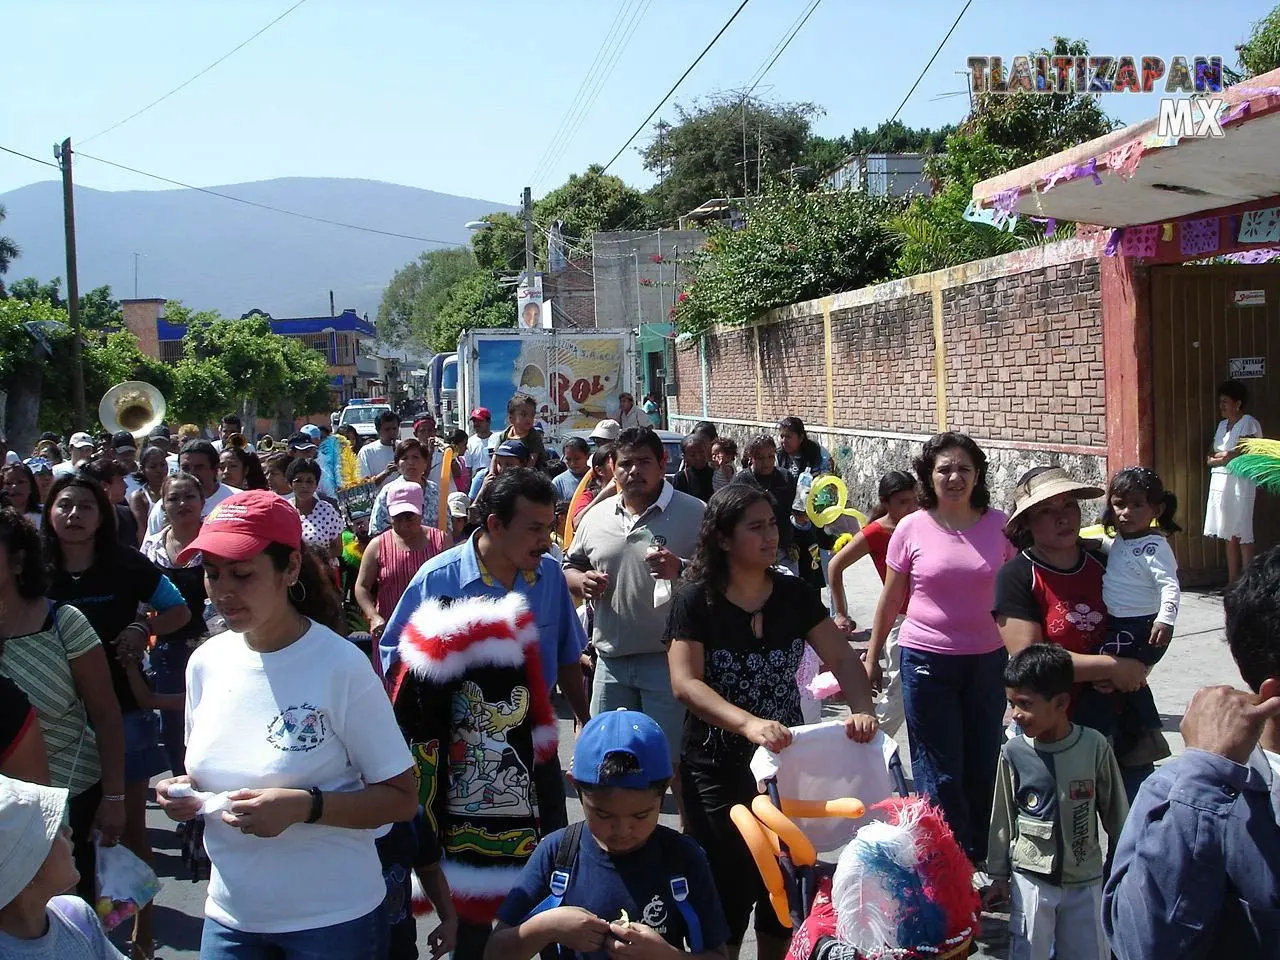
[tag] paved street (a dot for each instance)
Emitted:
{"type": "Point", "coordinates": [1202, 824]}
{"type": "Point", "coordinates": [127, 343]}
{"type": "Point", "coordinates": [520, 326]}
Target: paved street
{"type": "Point", "coordinates": [1199, 658]}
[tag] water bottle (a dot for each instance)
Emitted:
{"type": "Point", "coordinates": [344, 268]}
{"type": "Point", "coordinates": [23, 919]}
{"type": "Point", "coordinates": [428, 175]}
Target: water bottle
{"type": "Point", "coordinates": [661, 588]}
{"type": "Point", "coordinates": [213, 622]}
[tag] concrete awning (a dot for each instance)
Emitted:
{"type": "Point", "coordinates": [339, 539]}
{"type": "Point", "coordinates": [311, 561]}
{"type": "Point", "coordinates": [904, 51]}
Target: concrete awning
{"type": "Point", "coordinates": [1168, 182]}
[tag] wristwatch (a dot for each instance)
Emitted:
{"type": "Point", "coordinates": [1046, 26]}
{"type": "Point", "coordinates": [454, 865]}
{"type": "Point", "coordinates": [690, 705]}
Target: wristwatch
{"type": "Point", "coordinates": [317, 805]}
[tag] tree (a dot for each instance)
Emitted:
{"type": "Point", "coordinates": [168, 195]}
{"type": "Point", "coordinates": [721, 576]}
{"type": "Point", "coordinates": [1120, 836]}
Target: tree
{"type": "Point", "coordinates": [242, 362]}
{"type": "Point", "coordinates": [795, 246]}
{"type": "Point", "coordinates": [1004, 132]}
{"type": "Point", "coordinates": [9, 252]}
{"type": "Point", "coordinates": [1261, 52]}
{"type": "Point", "coordinates": [475, 302]}
{"type": "Point", "coordinates": [417, 291]}
{"type": "Point", "coordinates": [34, 337]}
{"type": "Point", "coordinates": [897, 137]}
{"type": "Point", "coordinates": [98, 308]}
{"type": "Point", "coordinates": [703, 156]}
{"type": "Point", "coordinates": [590, 202]}
{"type": "Point", "coordinates": [499, 248]}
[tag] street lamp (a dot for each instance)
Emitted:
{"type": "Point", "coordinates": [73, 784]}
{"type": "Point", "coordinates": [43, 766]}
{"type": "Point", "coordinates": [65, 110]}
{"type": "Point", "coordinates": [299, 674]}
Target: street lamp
{"type": "Point", "coordinates": [478, 224]}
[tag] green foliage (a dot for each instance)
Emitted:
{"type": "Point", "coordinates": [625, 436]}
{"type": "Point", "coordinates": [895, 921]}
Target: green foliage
{"type": "Point", "coordinates": [897, 137]}
{"type": "Point", "coordinates": [1004, 132]}
{"type": "Point", "coordinates": [477, 301]}
{"type": "Point", "coordinates": [1261, 52]}
{"type": "Point", "coordinates": [98, 308]}
{"type": "Point", "coordinates": [500, 247]}
{"type": "Point", "coordinates": [794, 247]}
{"type": "Point", "coordinates": [16, 343]}
{"type": "Point", "coordinates": [202, 391]}
{"type": "Point", "coordinates": [700, 157]}
{"type": "Point", "coordinates": [8, 253]}
{"type": "Point", "coordinates": [306, 382]}
{"type": "Point", "coordinates": [417, 291]}
{"type": "Point", "coordinates": [591, 202]}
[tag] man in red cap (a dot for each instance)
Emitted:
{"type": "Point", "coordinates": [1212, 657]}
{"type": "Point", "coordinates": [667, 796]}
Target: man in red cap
{"type": "Point", "coordinates": [478, 444]}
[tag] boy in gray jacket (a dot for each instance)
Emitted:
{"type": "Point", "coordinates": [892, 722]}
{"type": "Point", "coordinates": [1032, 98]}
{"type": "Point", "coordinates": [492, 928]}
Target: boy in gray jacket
{"type": "Point", "coordinates": [1054, 782]}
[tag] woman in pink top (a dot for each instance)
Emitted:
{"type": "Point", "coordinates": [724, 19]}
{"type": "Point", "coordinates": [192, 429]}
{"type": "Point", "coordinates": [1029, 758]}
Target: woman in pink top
{"type": "Point", "coordinates": [946, 556]}
{"type": "Point", "coordinates": [393, 557]}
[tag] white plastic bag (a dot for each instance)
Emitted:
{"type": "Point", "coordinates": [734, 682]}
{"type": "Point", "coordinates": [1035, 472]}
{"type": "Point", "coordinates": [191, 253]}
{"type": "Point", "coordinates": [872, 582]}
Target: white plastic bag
{"type": "Point", "coordinates": [125, 884]}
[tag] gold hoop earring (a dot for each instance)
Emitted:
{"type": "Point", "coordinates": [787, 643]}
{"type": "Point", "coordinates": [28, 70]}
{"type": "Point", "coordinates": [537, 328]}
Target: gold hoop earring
{"type": "Point", "coordinates": [302, 591]}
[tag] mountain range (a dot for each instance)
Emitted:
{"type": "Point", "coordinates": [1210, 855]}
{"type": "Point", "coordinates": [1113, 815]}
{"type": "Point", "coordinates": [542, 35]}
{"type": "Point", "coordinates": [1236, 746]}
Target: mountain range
{"type": "Point", "coordinates": [212, 253]}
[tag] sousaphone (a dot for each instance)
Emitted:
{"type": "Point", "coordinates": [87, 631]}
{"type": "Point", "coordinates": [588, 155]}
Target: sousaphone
{"type": "Point", "coordinates": [132, 406]}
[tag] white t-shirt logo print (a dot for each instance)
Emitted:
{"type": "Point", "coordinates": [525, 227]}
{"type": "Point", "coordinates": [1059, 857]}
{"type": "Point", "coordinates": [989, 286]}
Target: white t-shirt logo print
{"type": "Point", "coordinates": [298, 729]}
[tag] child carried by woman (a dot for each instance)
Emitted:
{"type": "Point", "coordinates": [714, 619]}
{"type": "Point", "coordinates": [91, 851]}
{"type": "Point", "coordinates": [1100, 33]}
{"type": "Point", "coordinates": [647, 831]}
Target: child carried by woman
{"type": "Point", "coordinates": [1142, 595]}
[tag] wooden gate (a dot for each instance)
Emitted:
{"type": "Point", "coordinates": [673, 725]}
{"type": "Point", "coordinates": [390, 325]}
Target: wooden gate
{"type": "Point", "coordinates": [1203, 318]}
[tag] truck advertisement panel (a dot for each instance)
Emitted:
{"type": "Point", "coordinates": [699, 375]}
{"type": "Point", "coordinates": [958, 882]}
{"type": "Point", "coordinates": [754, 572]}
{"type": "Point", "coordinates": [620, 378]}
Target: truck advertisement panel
{"type": "Point", "coordinates": [574, 381]}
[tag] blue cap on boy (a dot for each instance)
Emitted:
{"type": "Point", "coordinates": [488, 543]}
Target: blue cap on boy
{"type": "Point", "coordinates": [622, 731]}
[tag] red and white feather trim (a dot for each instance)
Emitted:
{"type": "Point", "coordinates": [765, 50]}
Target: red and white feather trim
{"type": "Point", "coordinates": [441, 643]}
{"type": "Point", "coordinates": [478, 891]}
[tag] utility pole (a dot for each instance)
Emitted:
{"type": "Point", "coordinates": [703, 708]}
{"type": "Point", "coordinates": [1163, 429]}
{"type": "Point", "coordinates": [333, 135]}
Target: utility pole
{"type": "Point", "coordinates": [746, 186]}
{"type": "Point", "coordinates": [63, 155]}
{"type": "Point", "coordinates": [530, 261]}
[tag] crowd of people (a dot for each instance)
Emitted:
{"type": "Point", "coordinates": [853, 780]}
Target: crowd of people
{"type": "Point", "coordinates": [352, 704]}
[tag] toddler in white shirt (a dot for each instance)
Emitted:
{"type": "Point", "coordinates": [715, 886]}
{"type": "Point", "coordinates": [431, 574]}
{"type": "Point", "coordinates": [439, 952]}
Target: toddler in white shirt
{"type": "Point", "coordinates": [1141, 593]}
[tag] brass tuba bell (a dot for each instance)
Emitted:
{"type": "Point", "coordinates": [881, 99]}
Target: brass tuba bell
{"type": "Point", "coordinates": [133, 406]}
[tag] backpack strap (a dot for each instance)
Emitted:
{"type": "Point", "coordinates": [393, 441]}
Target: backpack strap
{"type": "Point", "coordinates": [674, 854]}
{"type": "Point", "coordinates": [562, 869]}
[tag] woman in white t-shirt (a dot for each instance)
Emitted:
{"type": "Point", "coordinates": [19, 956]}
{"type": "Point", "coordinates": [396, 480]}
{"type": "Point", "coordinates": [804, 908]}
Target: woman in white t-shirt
{"type": "Point", "coordinates": [1229, 512]}
{"type": "Point", "coordinates": [291, 743]}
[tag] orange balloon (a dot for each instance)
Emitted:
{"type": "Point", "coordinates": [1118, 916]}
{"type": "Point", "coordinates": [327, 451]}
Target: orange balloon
{"type": "Point", "coordinates": [754, 835]}
{"type": "Point", "coordinates": [802, 850]}
{"type": "Point", "coordinates": [846, 807]}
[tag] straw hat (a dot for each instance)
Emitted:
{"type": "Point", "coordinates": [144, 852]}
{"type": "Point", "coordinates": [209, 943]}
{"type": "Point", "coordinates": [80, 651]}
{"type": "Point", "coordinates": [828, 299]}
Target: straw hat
{"type": "Point", "coordinates": [1046, 485]}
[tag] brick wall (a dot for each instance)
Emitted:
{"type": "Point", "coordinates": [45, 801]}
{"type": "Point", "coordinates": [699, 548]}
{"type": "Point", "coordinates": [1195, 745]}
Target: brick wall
{"type": "Point", "coordinates": [1020, 343]}
{"type": "Point", "coordinates": [882, 366]}
{"type": "Point", "coordinates": [1024, 356]}
{"type": "Point", "coordinates": [140, 319]}
{"type": "Point", "coordinates": [689, 379]}
{"type": "Point", "coordinates": [573, 291]}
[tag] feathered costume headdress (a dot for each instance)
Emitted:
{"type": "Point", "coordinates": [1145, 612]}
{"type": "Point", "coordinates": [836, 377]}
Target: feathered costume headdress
{"type": "Point", "coordinates": [903, 888]}
{"type": "Point", "coordinates": [338, 460]}
{"type": "Point", "coordinates": [472, 700]}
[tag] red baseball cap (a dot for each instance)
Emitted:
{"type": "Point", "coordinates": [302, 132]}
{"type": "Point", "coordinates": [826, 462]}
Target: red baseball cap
{"type": "Point", "coordinates": [481, 413]}
{"type": "Point", "coordinates": [245, 524]}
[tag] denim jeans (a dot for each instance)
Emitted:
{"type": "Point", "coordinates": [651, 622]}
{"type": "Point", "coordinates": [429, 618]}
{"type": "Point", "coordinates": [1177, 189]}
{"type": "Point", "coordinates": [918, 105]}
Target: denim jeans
{"type": "Point", "coordinates": [954, 705]}
{"type": "Point", "coordinates": [357, 939]}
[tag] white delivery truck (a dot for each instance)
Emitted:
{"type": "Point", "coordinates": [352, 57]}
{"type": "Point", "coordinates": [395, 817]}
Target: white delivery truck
{"type": "Point", "coordinates": [573, 376]}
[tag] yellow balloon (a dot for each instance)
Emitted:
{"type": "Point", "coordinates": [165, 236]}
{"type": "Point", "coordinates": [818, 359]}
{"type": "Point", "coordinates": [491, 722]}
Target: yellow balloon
{"type": "Point", "coordinates": [831, 514]}
{"type": "Point", "coordinates": [842, 541]}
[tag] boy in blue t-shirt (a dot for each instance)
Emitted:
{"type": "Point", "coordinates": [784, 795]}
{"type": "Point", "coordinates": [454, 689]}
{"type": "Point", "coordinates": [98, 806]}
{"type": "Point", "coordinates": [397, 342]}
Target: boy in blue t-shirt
{"type": "Point", "coordinates": [634, 888]}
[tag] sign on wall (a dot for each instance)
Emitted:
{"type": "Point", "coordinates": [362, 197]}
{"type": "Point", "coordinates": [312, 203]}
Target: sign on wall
{"type": "Point", "coordinates": [1247, 368]}
{"type": "Point", "coordinates": [1250, 298]}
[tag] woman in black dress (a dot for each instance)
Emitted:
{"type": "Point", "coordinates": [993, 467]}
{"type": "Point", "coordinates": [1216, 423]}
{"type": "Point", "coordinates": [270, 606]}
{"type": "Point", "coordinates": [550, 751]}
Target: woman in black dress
{"type": "Point", "coordinates": [737, 632]}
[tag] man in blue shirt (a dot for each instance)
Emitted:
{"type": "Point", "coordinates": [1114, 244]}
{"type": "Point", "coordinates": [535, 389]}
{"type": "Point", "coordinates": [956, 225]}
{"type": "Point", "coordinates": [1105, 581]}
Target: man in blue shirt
{"type": "Point", "coordinates": [508, 552]}
{"type": "Point", "coordinates": [1197, 869]}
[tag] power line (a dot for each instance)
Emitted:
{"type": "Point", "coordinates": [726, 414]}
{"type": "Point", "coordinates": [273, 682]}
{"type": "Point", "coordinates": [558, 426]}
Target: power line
{"type": "Point", "coordinates": [190, 80]}
{"type": "Point", "coordinates": [578, 98]}
{"type": "Point", "coordinates": [27, 156]}
{"type": "Point", "coordinates": [796, 28]}
{"type": "Point", "coordinates": [962, 12]}
{"type": "Point", "coordinates": [612, 60]}
{"type": "Point", "coordinates": [266, 206]}
{"type": "Point", "coordinates": [675, 86]}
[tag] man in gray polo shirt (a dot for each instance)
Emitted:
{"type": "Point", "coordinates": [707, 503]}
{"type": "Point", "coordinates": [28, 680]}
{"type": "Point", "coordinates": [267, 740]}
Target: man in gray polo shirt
{"type": "Point", "coordinates": [629, 550]}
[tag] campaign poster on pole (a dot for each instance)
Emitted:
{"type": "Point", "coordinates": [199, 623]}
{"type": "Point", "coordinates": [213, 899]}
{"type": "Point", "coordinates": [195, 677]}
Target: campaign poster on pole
{"type": "Point", "coordinates": [529, 303]}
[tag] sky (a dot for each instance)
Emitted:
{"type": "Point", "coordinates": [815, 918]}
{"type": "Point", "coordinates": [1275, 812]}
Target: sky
{"type": "Point", "coordinates": [466, 98]}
